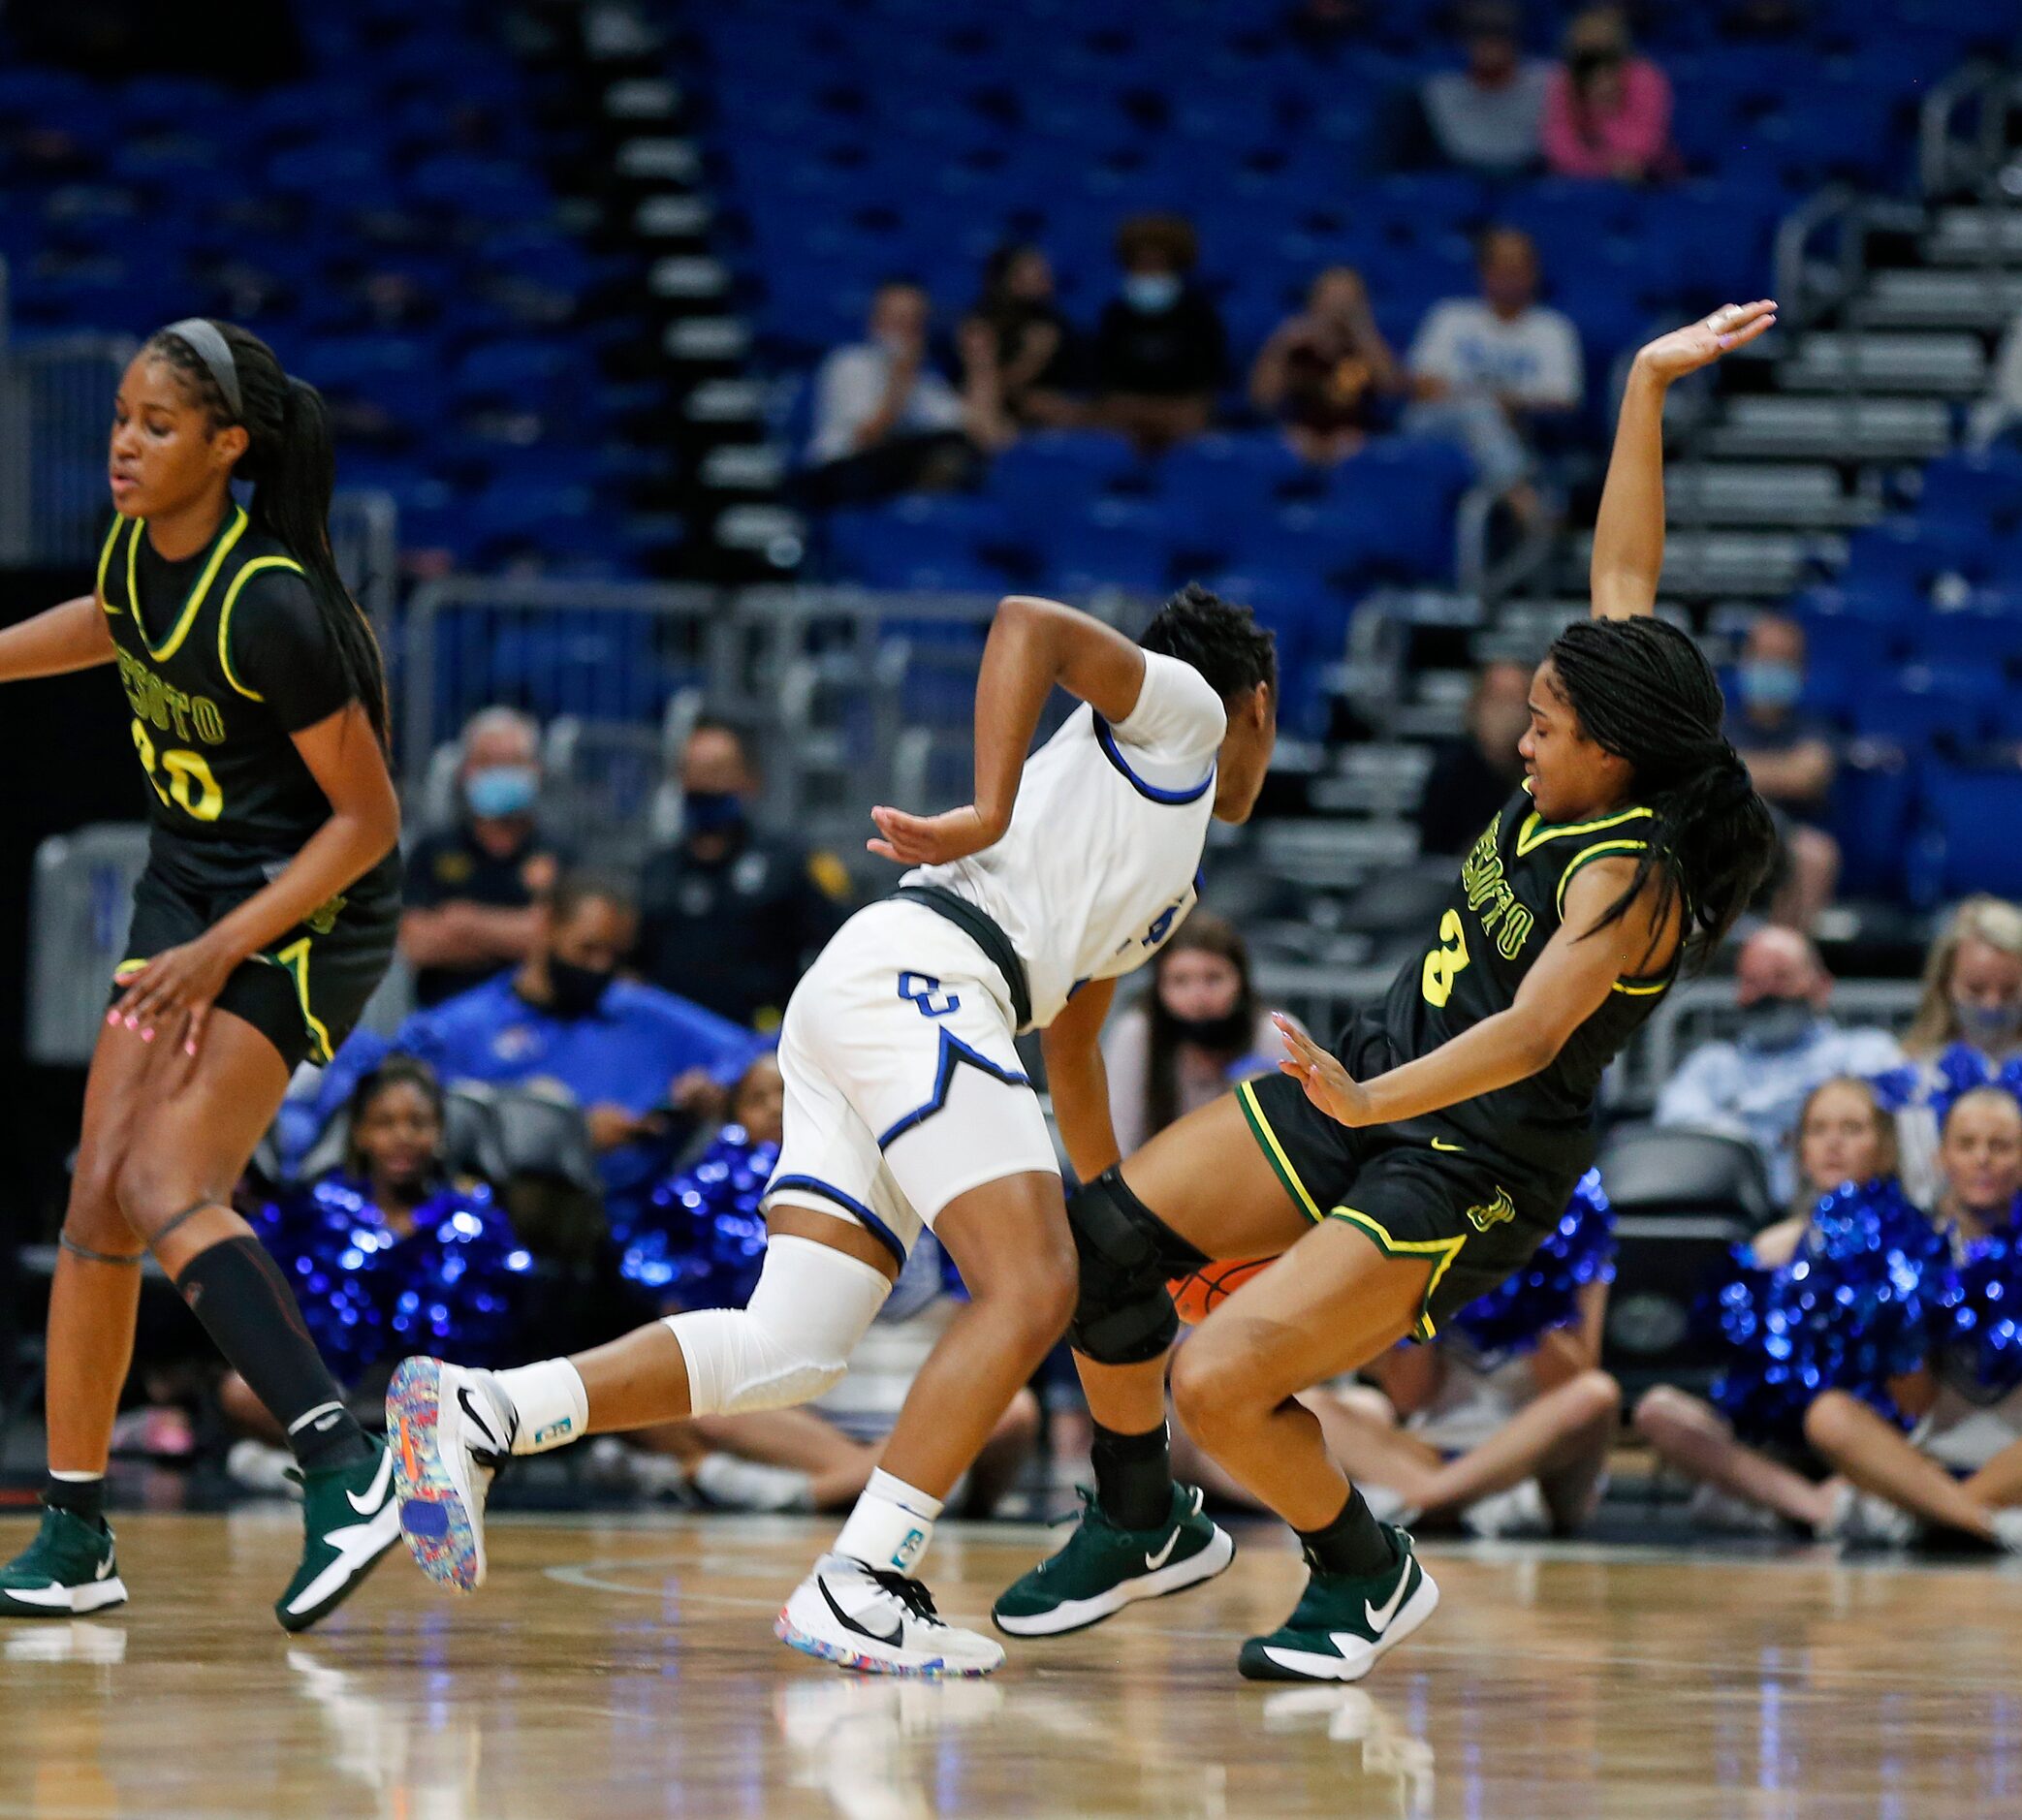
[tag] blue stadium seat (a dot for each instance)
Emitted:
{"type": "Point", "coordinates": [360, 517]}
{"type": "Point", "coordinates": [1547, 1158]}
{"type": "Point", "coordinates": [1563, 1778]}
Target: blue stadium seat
{"type": "Point", "coordinates": [1973, 817]}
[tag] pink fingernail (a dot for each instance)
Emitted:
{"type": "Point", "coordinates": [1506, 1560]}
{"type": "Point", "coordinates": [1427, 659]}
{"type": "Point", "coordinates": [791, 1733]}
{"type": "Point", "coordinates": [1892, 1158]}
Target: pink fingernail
{"type": "Point", "coordinates": [189, 1049]}
{"type": "Point", "coordinates": [1725, 341]}
{"type": "Point", "coordinates": [111, 1017]}
{"type": "Point", "coordinates": [133, 1023]}
{"type": "Point", "coordinates": [147, 1036]}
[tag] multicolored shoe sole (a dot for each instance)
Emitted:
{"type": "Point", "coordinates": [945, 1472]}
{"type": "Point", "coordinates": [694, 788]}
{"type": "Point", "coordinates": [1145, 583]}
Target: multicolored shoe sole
{"type": "Point", "coordinates": [794, 1638]}
{"type": "Point", "coordinates": [435, 1519]}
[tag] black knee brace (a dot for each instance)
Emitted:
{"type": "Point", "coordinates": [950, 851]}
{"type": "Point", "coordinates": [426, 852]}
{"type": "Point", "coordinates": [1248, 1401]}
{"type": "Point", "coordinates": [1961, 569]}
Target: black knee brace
{"type": "Point", "coordinates": [1124, 1315]}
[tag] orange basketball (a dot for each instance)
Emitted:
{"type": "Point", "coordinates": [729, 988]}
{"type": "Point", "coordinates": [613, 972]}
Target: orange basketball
{"type": "Point", "coordinates": [1196, 1294]}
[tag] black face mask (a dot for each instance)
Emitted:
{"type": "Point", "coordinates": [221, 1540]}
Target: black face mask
{"type": "Point", "coordinates": [1776, 1023]}
{"type": "Point", "coordinates": [1230, 1031]}
{"type": "Point", "coordinates": [575, 991]}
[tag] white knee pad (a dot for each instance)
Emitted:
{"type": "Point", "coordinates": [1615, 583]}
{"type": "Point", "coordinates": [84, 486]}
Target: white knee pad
{"type": "Point", "coordinates": [791, 1342]}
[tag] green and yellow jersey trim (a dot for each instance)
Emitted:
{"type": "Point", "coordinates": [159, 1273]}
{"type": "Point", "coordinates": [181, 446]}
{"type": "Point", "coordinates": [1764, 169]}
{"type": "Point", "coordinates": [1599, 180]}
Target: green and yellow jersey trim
{"type": "Point", "coordinates": [239, 582]}
{"type": "Point", "coordinates": [1536, 830]}
{"type": "Point", "coordinates": [1274, 1152]}
{"type": "Point", "coordinates": [294, 960]}
{"type": "Point", "coordinates": [1442, 1251]}
{"type": "Point", "coordinates": [105, 562]}
{"type": "Point", "coordinates": [191, 606]}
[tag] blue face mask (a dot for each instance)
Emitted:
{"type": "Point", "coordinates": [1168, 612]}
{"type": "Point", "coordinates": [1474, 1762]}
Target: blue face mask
{"type": "Point", "coordinates": [1770, 682]}
{"type": "Point", "coordinates": [711, 811]}
{"type": "Point", "coordinates": [1986, 1026]}
{"type": "Point", "coordinates": [499, 791]}
{"type": "Point", "coordinates": [1152, 291]}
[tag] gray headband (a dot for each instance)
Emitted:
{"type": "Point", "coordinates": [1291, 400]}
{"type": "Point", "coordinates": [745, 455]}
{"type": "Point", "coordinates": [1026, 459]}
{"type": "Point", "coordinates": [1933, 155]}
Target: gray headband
{"type": "Point", "coordinates": [215, 352]}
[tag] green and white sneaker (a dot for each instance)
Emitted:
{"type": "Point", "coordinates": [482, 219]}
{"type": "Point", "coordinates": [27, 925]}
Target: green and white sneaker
{"type": "Point", "coordinates": [1103, 1568]}
{"type": "Point", "coordinates": [350, 1518]}
{"type": "Point", "coordinates": [1343, 1623]}
{"type": "Point", "coordinates": [68, 1569]}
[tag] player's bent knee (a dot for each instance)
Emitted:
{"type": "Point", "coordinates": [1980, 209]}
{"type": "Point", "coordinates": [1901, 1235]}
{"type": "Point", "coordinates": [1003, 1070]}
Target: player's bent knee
{"type": "Point", "coordinates": [1601, 1397]}
{"type": "Point", "coordinates": [1123, 1312]}
{"type": "Point", "coordinates": [1209, 1394]}
{"type": "Point", "coordinates": [1826, 1422]}
{"type": "Point", "coordinates": [791, 1342]}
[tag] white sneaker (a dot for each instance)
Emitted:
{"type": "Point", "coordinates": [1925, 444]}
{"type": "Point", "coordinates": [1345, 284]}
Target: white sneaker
{"type": "Point", "coordinates": [1860, 1515]}
{"type": "Point", "coordinates": [1726, 1512]}
{"type": "Point", "coordinates": [728, 1482]}
{"type": "Point", "coordinates": [1520, 1511]}
{"type": "Point", "coordinates": [881, 1623]}
{"type": "Point", "coordinates": [2007, 1528]}
{"type": "Point", "coordinates": [256, 1468]}
{"type": "Point", "coordinates": [450, 1431]}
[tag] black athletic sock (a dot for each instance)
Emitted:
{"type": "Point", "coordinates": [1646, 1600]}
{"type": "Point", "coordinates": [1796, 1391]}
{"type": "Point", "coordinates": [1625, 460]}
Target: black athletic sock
{"type": "Point", "coordinates": [80, 1497]}
{"type": "Point", "coordinates": [247, 1307]}
{"type": "Point", "coordinates": [1134, 1476]}
{"type": "Point", "coordinates": [1352, 1544]}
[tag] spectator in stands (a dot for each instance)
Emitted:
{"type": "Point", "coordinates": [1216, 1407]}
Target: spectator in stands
{"type": "Point", "coordinates": [1490, 116]}
{"type": "Point", "coordinates": [885, 421]}
{"type": "Point", "coordinates": [471, 889]}
{"type": "Point", "coordinates": [1968, 1022]}
{"type": "Point", "coordinates": [1324, 372]}
{"type": "Point", "coordinates": [1791, 756]}
{"type": "Point", "coordinates": [1484, 369]}
{"type": "Point", "coordinates": [1198, 1027]}
{"type": "Point", "coordinates": [641, 1063]}
{"type": "Point", "coordinates": [1472, 776]}
{"type": "Point", "coordinates": [1607, 112]}
{"type": "Point", "coordinates": [1754, 1086]}
{"type": "Point", "coordinates": [732, 913]}
{"type": "Point", "coordinates": [1018, 330]}
{"type": "Point", "coordinates": [1162, 352]}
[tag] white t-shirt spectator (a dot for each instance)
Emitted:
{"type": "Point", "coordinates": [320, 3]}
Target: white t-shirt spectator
{"type": "Point", "coordinates": [1125, 1054]}
{"type": "Point", "coordinates": [848, 390]}
{"type": "Point", "coordinates": [1533, 358]}
{"type": "Point", "coordinates": [1489, 129]}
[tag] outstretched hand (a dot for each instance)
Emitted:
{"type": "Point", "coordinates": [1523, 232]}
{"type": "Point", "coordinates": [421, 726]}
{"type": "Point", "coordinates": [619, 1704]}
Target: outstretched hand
{"type": "Point", "coordinates": [1699, 344]}
{"type": "Point", "coordinates": [931, 839]}
{"type": "Point", "coordinates": [1327, 1083]}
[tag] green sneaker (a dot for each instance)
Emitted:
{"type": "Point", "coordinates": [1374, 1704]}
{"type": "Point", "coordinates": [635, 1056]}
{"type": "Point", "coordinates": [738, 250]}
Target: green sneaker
{"type": "Point", "coordinates": [350, 1518]}
{"type": "Point", "coordinates": [67, 1570]}
{"type": "Point", "coordinates": [1342, 1625]}
{"type": "Point", "coordinates": [1104, 1568]}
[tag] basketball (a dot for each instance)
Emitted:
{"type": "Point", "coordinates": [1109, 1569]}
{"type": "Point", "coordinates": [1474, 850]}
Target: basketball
{"type": "Point", "coordinates": [1201, 1291]}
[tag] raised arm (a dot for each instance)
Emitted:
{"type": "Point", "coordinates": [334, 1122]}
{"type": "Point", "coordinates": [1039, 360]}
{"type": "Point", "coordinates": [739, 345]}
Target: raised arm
{"type": "Point", "coordinates": [1628, 536]}
{"type": "Point", "coordinates": [56, 642]}
{"type": "Point", "coordinates": [1034, 645]}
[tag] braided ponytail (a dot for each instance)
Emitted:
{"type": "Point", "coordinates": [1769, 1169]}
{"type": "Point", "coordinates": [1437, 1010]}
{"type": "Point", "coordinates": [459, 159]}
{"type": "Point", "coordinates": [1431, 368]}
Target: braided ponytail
{"type": "Point", "coordinates": [293, 468]}
{"type": "Point", "coordinates": [1642, 690]}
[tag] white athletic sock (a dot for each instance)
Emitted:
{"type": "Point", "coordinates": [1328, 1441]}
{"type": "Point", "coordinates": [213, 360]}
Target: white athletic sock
{"type": "Point", "coordinates": [75, 1478]}
{"type": "Point", "coordinates": [550, 1401]}
{"type": "Point", "coordinates": [891, 1526]}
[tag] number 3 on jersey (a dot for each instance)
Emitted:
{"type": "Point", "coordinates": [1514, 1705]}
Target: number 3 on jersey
{"type": "Point", "coordinates": [1445, 960]}
{"type": "Point", "coordinates": [191, 786]}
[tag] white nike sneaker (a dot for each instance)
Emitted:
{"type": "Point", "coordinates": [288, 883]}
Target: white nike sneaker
{"type": "Point", "coordinates": [1519, 1511]}
{"type": "Point", "coordinates": [451, 1430]}
{"type": "Point", "coordinates": [879, 1623]}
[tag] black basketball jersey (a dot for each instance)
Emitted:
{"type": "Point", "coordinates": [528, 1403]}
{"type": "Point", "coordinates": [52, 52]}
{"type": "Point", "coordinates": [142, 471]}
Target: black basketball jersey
{"type": "Point", "coordinates": [223, 656]}
{"type": "Point", "coordinates": [1505, 908]}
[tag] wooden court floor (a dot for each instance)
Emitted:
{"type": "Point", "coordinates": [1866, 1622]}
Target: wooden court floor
{"type": "Point", "coordinates": [620, 1668]}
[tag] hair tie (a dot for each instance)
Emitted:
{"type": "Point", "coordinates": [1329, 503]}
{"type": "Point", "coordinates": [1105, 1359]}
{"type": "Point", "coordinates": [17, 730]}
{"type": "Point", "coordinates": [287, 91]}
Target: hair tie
{"type": "Point", "coordinates": [208, 344]}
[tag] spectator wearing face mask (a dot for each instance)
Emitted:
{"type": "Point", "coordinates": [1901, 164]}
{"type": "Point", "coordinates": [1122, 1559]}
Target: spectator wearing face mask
{"type": "Point", "coordinates": [1489, 116]}
{"type": "Point", "coordinates": [471, 889]}
{"type": "Point", "coordinates": [732, 913]}
{"type": "Point", "coordinates": [1472, 777]}
{"type": "Point", "coordinates": [1607, 112]}
{"type": "Point", "coordinates": [1198, 1030]}
{"type": "Point", "coordinates": [1162, 352]}
{"type": "Point", "coordinates": [639, 1061]}
{"type": "Point", "coordinates": [1754, 1088]}
{"type": "Point", "coordinates": [1791, 758]}
{"type": "Point", "coordinates": [1968, 1026]}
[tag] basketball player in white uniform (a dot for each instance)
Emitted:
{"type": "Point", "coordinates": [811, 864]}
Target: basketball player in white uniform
{"type": "Point", "coordinates": [907, 1106]}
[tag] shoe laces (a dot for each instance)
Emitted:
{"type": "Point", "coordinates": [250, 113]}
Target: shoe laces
{"type": "Point", "coordinates": [909, 1592]}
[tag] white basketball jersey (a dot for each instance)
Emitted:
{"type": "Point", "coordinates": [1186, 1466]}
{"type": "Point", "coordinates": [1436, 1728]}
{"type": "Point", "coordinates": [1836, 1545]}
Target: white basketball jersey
{"type": "Point", "coordinates": [1101, 861]}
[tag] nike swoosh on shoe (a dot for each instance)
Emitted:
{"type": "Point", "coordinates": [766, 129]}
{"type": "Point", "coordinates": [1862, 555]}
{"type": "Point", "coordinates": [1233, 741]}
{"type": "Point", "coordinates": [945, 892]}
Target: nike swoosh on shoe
{"type": "Point", "coordinates": [896, 1638]}
{"type": "Point", "coordinates": [375, 1494]}
{"type": "Point", "coordinates": [1379, 1619]}
{"type": "Point", "coordinates": [1153, 1562]}
{"type": "Point", "coordinates": [475, 1416]}
{"type": "Point", "coordinates": [357, 1547]}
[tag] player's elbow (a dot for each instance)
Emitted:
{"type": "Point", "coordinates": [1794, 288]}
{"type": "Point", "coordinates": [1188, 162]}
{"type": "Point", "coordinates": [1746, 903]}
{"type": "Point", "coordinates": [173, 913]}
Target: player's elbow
{"type": "Point", "coordinates": [1535, 1043]}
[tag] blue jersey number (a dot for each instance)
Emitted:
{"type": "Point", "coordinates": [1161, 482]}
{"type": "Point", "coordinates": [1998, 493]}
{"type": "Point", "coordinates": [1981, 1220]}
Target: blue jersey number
{"type": "Point", "coordinates": [922, 991]}
{"type": "Point", "coordinates": [1161, 928]}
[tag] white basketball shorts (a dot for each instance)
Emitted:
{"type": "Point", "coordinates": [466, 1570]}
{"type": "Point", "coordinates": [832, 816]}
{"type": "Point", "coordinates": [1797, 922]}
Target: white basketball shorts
{"type": "Point", "coordinates": [904, 1087]}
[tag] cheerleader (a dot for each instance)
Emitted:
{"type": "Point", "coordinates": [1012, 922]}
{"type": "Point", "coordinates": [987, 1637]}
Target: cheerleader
{"type": "Point", "coordinates": [1507, 1416]}
{"type": "Point", "coordinates": [386, 1254]}
{"type": "Point", "coordinates": [1789, 1332]}
{"type": "Point", "coordinates": [1960, 1469]}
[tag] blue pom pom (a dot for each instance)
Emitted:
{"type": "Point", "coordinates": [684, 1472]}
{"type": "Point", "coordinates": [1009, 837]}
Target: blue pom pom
{"type": "Point", "coordinates": [699, 1240]}
{"type": "Point", "coordinates": [1545, 1294]}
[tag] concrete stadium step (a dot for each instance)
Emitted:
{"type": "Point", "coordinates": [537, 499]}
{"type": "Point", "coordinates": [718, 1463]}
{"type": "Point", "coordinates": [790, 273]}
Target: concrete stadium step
{"type": "Point", "coordinates": [1947, 364]}
{"type": "Point", "coordinates": [1748, 563]}
{"type": "Point", "coordinates": [1808, 494]}
{"type": "Point", "coordinates": [1932, 298]}
{"type": "Point", "coordinates": [1832, 429]}
{"type": "Point", "coordinates": [1967, 235]}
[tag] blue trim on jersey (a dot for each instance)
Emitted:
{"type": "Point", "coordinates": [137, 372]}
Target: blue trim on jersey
{"type": "Point", "coordinates": [1200, 879]}
{"type": "Point", "coordinates": [1107, 741]}
{"type": "Point", "coordinates": [954, 1051]}
{"type": "Point", "coordinates": [876, 1227]}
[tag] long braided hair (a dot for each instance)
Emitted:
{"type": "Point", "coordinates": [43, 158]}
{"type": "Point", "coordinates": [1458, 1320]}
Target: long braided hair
{"type": "Point", "coordinates": [1643, 691]}
{"type": "Point", "coordinates": [294, 471]}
